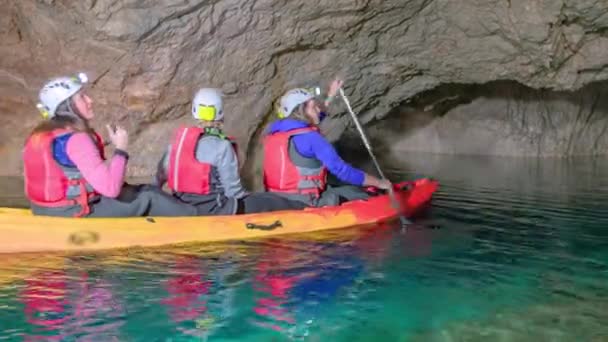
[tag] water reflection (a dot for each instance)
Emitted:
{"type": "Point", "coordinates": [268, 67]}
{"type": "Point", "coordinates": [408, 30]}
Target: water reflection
{"type": "Point", "coordinates": [59, 306]}
{"type": "Point", "coordinates": [46, 305]}
{"type": "Point", "coordinates": [296, 283]}
{"type": "Point", "coordinates": [519, 253]}
{"type": "Point", "coordinates": [272, 282]}
{"type": "Point", "coordinates": [98, 313]}
{"type": "Point", "coordinates": [187, 289]}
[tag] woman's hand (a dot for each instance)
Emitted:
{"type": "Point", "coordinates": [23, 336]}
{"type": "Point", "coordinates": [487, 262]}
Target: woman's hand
{"type": "Point", "coordinates": [383, 184]}
{"type": "Point", "coordinates": [119, 137]}
{"type": "Point", "coordinates": [334, 87]}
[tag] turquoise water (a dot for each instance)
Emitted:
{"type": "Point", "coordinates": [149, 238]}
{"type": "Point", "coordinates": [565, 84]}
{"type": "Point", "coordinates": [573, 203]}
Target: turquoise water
{"type": "Point", "coordinates": [511, 250]}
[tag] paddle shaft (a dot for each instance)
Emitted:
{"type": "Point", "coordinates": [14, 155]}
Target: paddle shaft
{"type": "Point", "coordinates": [391, 191]}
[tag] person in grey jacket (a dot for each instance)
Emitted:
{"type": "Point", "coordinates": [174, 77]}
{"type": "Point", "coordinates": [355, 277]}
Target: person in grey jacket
{"type": "Point", "coordinates": [201, 165]}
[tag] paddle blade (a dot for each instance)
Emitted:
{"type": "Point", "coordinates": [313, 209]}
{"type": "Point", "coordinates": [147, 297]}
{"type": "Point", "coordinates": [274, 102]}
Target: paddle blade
{"type": "Point", "coordinates": [397, 206]}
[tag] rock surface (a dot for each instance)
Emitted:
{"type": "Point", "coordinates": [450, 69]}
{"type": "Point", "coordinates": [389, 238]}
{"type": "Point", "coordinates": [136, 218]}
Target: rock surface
{"type": "Point", "coordinates": [501, 118]}
{"type": "Point", "coordinates": [146, 58]}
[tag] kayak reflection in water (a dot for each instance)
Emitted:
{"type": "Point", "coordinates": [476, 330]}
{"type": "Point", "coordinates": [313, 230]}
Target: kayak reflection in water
{"type": "Point", "coordinates": [294, 287]}
{"type": "Point", "coordinates": [272, 283]}
{"type": "Point", "coordinates": [187, 291]}
{"type": "Point", "coordinates": [45, 305]}
{"type": "Point", "coordinates": [374, 243]}
{"type": "Point", "coordinates": [61, 307]}
{"type": "Point", "coordinates": [94, 302]}
{"type": "Point", "coordinates": [200, 301]}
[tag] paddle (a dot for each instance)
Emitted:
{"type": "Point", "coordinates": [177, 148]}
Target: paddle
{"type": "Point", "coordinates": [391, 191]}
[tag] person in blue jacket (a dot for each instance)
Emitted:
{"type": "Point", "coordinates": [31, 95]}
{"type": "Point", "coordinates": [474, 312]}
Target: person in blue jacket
{"type": "Point", "coordinates": [297, 157]}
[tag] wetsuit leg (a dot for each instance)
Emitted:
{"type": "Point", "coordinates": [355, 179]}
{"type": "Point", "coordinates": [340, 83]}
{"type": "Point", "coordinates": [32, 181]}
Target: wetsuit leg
{"type": "Point", "coordinates": [68, 211]}
{"type": "Point", "coordinates": [348, 192]}
{"type": "Point", "coordinates": [260, 202]}
{"type": "Point", "coordinates": [144, 201]}
{"type": "Point", "coordinates": [327, 198]}
{"type": "Point", "coordinates": [208, 205]}
{"type": "Point", "coordinates": [140, 200]}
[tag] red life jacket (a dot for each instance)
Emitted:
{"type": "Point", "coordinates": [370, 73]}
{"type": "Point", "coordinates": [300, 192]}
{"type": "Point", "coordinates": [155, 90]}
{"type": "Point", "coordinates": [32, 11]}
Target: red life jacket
{"type": "Point", "coordinates": [280, 172]}
{"type": "Point", "coordinates": [47, 183]}
{"type": "Point", "coordinates": [187, 174]}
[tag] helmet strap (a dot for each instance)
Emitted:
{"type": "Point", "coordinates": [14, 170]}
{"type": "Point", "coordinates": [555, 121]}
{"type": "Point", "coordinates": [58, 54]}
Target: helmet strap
{"type": "Point", "coordinates": [216, 131]}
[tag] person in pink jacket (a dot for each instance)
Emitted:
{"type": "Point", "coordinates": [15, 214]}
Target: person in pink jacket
{"type": "Point", "coordinates": [65, 169]}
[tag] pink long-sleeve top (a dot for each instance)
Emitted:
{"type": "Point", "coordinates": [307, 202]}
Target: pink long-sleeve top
{"type": "Point", "coordinates": [106, 178]}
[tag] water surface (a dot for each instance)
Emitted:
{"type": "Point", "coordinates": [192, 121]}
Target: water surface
{"type": "Point", "coordinates": [512, 249]}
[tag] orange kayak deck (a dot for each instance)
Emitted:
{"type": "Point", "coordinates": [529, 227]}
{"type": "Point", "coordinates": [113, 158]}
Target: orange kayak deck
{"type": "Point", "coordinates": [22, 232]}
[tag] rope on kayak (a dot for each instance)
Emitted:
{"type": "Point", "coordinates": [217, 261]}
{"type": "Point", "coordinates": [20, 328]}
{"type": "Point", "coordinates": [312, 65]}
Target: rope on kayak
{"type": "Point", "coordinates": [276, 224]}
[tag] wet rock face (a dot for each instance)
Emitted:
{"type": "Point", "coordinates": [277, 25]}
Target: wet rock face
{"type": "Point", "coordinates": [499, 118]}
{"type": "Point", "coordinates": [146, 58]}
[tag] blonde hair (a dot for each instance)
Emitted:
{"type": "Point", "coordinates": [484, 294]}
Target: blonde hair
{"type": "Point", "coordinates": [299, 113]}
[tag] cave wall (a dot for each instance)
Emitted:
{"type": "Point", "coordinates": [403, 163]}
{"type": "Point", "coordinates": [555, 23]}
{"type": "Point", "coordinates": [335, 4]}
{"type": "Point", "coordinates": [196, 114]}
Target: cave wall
{"type": "Point", "coordinates": [146, 58]}
{"type": "Point", "coordinates": [499, 118]}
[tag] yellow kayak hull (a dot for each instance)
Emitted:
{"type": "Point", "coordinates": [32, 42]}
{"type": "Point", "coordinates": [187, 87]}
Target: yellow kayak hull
{"type": "Point", "coordinates": [22, 232]}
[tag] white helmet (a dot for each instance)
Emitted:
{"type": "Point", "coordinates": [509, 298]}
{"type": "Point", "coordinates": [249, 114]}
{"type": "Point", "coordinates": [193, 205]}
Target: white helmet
{"type": "Point", "coordinates": [294, 98]}
{"type": "Point", "coordinates": [57, 90]}
{"type": "Point", "coordinates": [208, 105]}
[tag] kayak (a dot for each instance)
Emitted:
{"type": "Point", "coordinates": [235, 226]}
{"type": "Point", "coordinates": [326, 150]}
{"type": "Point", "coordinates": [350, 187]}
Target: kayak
{"type": "Point", "coordinates": [21, 231]}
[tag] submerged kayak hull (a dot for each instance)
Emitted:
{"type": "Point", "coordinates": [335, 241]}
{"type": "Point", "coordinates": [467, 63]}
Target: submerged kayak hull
{"type": "Point", "coordinates": [20, 231]}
